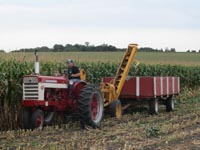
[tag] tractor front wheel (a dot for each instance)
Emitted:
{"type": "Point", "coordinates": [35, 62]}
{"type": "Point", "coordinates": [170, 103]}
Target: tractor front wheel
{"type": "Point", "coordinates": [48, 117]}
{"type": "Point", "coordinates": [25, 118]}
{"type": "Point", "coordinates": [37, 119]}
{"type": "Point", "coordinates": [90, 106]}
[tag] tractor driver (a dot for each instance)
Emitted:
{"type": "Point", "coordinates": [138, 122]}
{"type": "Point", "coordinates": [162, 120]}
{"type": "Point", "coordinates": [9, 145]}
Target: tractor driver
{"type": "Point", "coordinates": [73, 75]}
{"type": "Point", "coordinates": [73, 71]}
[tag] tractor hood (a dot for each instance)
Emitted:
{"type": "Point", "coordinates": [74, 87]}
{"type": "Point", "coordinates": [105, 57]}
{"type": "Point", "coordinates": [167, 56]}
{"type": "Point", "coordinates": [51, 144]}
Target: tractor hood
{"type": "Point", "coordinates": [45, 79]}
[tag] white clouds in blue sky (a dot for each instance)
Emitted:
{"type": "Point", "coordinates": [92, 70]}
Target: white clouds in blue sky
{"type": "Point", "coordinates": [154, 23]}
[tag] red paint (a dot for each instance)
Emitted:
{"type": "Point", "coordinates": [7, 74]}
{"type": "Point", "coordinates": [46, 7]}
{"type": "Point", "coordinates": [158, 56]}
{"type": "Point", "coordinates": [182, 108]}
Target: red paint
{"type": "Point", "coordinates": [107, 79]}
{"type": "Point", "coordinates": [77, 87]}
{"type": "Point", "coordinates": [36, 103]}
{"type": "Point", "coordinates": [130, 88]}
{"type": "Point", "coordinates": [39, 121]}
{"type": "Point", "coordinates": [170, 86]}
{"type": "Point", "coordinates": [58, 99]}
{"type": "Point", "coordinates": [164, 85]}
{"type": "Point", "coordinates": [60, 79]}
{"type": "Point", "coordinates": [62, 105]}
{"type": "Point", "coordinates": [43, 79]}
{"type": "Point", "coordinates": [94, 107]}
{"type": "Point", "coordinates": [146, 87]}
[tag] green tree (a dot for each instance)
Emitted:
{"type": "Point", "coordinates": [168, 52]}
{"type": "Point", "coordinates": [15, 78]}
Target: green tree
{"type": "Point", "coordinates": [58, 48]}
{"type": "Point", "coordinates": [87, 44]}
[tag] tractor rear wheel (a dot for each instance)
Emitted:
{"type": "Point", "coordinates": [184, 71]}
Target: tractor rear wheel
{"type": "Point", "coordinates": [37, 119]}
{"type": "Point", "coordinates": [90, 106]}
{"type": "Point", "coordinates": [25, 118]}
{"type": "Point", "coordinates": [170, 104]}
{"type": "Point", "coordinates": [153, 106]}
{"type": "Point", "coordinates": [116, 109]}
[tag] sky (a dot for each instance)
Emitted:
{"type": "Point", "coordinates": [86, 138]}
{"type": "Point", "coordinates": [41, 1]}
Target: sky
{"type": "Point", "coordinates": [149, 23]}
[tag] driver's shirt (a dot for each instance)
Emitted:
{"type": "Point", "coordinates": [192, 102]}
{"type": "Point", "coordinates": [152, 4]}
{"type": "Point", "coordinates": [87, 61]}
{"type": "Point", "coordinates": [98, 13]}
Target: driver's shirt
{"type": "Point", "coordinates": [73, 70]}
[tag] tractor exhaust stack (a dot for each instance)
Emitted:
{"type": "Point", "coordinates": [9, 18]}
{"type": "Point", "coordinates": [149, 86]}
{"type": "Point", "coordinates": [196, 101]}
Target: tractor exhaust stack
{"type": "Point", "coordinates": [37, 65]}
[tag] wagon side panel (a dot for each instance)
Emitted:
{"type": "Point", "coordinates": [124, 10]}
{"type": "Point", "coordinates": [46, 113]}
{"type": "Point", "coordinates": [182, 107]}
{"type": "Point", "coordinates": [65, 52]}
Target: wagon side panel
{"type": "Point", "coordinates": [146, 87]}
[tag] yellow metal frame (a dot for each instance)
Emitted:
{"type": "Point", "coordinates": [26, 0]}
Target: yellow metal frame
{"type": "Point", "coordinates": [82, 74]}
{"type": "Point", "coordinates": [111, 91]}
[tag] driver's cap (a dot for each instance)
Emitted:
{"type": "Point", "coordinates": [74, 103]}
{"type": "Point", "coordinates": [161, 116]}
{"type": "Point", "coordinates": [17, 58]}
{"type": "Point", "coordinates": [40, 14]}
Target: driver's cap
{"type": "Point", "coordinates": [69, 61]}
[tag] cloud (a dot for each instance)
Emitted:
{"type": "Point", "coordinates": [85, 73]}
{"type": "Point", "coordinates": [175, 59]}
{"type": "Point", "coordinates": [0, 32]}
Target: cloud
{"type": "Point", "coordinates": [152, 23]}
{"type": "Point", "coordinates": [129, 14]}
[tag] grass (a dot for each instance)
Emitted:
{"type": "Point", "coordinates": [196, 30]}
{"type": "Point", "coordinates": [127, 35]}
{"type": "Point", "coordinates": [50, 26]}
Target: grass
{"type": "Point", "coordinates": [136, 130]}
{"type": "Point", "coordinates": [186, 59]}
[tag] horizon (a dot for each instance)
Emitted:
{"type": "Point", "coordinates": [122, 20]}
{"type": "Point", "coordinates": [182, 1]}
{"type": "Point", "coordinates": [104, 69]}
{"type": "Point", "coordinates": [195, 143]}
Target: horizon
{"type": "Point", "coordinates": [167, 49]}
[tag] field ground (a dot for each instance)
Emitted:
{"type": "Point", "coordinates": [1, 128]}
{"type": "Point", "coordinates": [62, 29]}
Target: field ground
{"type": "Point", "coordinates": [136, 130]}
{"type": "Point", "coordinates": [179, 58]}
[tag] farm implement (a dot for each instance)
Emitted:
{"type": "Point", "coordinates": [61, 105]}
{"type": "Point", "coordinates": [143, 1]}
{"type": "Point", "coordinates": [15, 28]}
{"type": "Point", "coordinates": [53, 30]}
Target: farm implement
{"type": "Point", "coordinates": [44, 96]}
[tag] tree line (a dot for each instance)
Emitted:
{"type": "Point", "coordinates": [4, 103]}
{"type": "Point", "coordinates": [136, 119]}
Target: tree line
{"type": "Point", "coordinates": [89, 48]}
{"type": "Point", "coordinates": [72, 48]}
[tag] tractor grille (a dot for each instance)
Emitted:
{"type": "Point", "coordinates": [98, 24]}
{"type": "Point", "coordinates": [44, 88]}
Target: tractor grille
{"type": "Point", "coordinates": [31, 91]}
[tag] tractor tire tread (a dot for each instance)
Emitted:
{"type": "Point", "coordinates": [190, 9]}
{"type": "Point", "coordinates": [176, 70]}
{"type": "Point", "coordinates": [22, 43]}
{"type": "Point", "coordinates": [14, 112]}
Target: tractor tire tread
{"type": "Point", "coordinates": [84, 105]}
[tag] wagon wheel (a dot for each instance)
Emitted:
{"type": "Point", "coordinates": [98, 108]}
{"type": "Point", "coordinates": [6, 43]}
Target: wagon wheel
{"type": "Point", "coordinates": [153, 106]}
{"type": "Point", "coordinates": [116, 109]}
{"type": "Point", "coordinates": [90, 106]}
{"type": "Point", "coordinates": [25, 118]}
{"type": "Point", "coordinates": [37, 119]}
{"type": "Point", "coordinates": [170, 104]}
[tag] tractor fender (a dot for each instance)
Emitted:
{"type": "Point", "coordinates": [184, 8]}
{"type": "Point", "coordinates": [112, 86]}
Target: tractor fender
{"type": "Point", "coordinates": [77, 87]}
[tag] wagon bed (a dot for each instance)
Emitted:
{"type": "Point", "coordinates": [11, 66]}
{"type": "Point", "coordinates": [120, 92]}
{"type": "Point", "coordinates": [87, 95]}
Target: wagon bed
{"type": "Point", "coordinates": [148, 87]}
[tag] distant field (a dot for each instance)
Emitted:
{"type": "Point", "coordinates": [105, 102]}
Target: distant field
{"type": "Point", "coordinates": [186, 59]}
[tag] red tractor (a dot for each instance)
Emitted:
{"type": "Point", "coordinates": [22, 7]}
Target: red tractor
{"type": "Point", "coordinates": [43, 96]}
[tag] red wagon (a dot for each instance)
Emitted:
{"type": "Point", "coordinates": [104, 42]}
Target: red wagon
{"type": "Point", "coordinates": [155, 90]}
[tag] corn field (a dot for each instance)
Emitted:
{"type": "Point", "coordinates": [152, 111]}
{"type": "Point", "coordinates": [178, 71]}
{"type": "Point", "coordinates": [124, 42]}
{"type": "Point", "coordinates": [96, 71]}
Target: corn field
{"type": "Point", "coordinates": [12, 71]}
